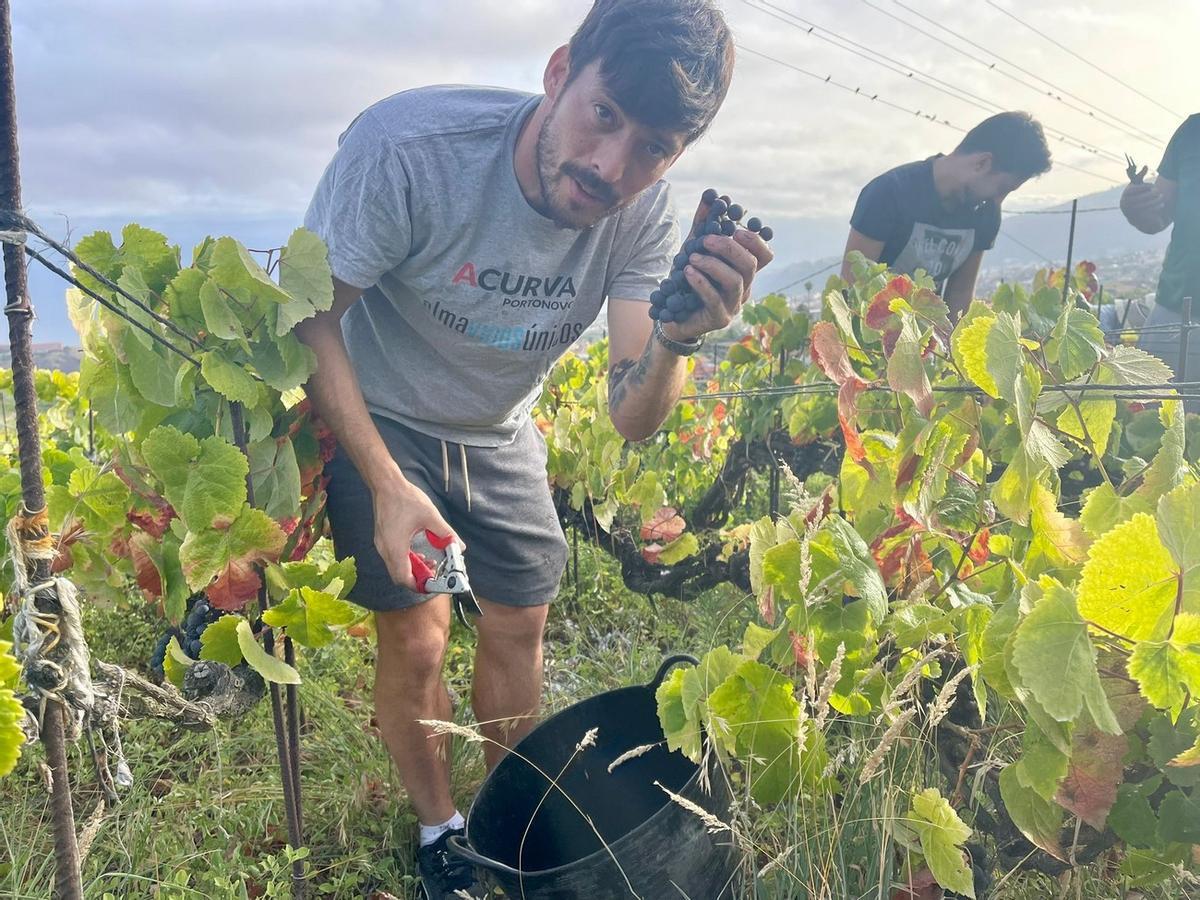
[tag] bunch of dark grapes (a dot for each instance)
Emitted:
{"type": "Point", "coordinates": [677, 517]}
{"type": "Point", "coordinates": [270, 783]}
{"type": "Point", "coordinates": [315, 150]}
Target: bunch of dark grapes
{"type": "Point", "coordinates": [199, 616]}
{"type": "Point", "coordinates": [674, 300]}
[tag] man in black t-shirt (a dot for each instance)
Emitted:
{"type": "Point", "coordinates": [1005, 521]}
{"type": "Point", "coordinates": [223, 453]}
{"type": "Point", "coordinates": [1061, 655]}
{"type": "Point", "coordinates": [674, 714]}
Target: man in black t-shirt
{"type": "Point", "coordinates": [1151, 207]}
{"type": "Point", "coordinates": [942, 213]}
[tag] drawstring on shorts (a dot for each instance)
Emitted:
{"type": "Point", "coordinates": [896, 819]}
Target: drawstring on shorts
{"type": "Point", "coordinates": [462, 458]}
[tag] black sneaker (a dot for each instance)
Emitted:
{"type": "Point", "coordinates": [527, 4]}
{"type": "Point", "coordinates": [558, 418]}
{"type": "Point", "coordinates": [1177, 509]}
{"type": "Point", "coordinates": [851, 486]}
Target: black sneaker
{"type": "Point", "coordinates": [445, 874]}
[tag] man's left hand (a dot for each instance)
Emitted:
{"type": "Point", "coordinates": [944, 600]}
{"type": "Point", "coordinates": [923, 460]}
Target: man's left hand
{"type": "Point", "coordinates": [721, 278]}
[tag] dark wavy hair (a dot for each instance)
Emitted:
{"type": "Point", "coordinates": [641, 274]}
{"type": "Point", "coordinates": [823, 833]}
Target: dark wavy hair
{"type": "Point", "coordinates": [667, 63]}
{"type": "Point", "coordinates": [1015, 140]}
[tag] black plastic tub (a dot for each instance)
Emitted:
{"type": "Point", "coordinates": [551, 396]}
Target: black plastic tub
{"type": "Point", "coordinates": [539, 841]}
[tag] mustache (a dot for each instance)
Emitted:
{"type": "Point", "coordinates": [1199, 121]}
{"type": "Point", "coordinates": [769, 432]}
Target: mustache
{"type": "Point", "coordinates": [592, 183]}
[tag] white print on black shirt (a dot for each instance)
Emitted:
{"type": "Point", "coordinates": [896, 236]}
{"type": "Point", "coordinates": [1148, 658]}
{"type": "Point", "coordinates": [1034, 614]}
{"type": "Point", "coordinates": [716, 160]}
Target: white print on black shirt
{"type": "Point", "coordinates": [939, 251]}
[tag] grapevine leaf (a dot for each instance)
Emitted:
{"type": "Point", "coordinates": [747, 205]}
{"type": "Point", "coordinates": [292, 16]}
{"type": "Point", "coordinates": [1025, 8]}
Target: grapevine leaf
{"type": "Point", "coordinates": [1168, 671]}
{"type": "Point", "coordinates": [829, 352]}
{"type": "Point", "coordinates": [1040, 444]}
{"type": "Point", "coordinates": [1042, 766]}
{"type": "Point", "coordinates": [1178, 521]}
{"type": "Point", "coordinates": [1039, 819]}
{"type": "Point", "coordinates": [231, 553]}
{"type": "Point", "coordinates": [679, 549]}
{"type": "Point", "coordinates": [757, 639]}
{"type": "Point", "coordinates": [1169, 467]}
{"type": "Point", "coordinates": [942, 834]}
{"type": "Point", "coordinates": [113, 396]}
{"type": "Point", "coordinates": [220, 319]}
{"type": "Point", "coordinates": [284, 363]}
{"type": "Point", "coordinates": [1097, 767]}
{"type": "Point", "coordinates": [310, 615]}
{"type": "Point", "coordinates": [1013, 491]}
{"type": "Point", "coordinates": [305, 274]}
{"type": "Point", "coordinates": [969, 343]}
{"type": "Point", "coordinates": [758, 706]}
{"type": "Point", "coordinates": [906, 372]}
{"type": "Point", "coordinates": [1057, 662]}
{"type": "Point", "coordinates": [103, 496]}
{"type": "Point", "coordinates": [1170, 740]}
{"type": "Point", "coordinates": [1132, 818]}
{"type": "Point", "coordinates": [1179, 818]}
{"type": "Point", "coordinates": [782, 568]}
{"type": "Point", "coordinates": [236, 270]}
{"type": "Point", "coordinates": [176, 662]}
{"type": "Point", "coordinates": [219, 641]}
{"type": "Point", "coordinates": [182, 299]}
{"type": "Point", "coordinates": [1104, 509]}
{"type": "Point", "coordinates": [1097, 417]}
{"type": "Point", "coordinates": [148, 251]}
{"type": "Point", "coordinates": [1060, 536]}
{"type": "Point", "coordinates": [847, 407]}
{"type": "Point", "coordinates": [276, 477]}
{"type": "Point", "coordinates": [1129, 365]}
{"type": "Point", "coordinates": [1076, 342]}
{"type": "Point", "coordinates": [228, 378]}
{"type": "Point", "coordinates": [204, 480]}
{"type": "Point", "coordinates": [12, 713]}
{"type": "Point", "coordinates": [859, 566]}
{"type": "Point", "coordinates": [152, 374]}
{"type": "Point", "coordinates": [270, 668]}
{"type": "Point", "coordinates": [1128, 584]}
{"type": "Point", "coordinates": [762, 538]}
{"type": "Point", "coordinates": [1003, 354]}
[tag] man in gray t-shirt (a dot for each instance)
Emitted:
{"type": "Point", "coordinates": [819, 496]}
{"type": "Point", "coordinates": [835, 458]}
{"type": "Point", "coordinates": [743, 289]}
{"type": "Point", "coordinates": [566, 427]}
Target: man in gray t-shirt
{"type": "Point", "coordinates": [473, 234]}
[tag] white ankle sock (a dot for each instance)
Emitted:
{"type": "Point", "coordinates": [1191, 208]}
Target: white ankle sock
{"type": "Point", "coordinates": [430, 833]}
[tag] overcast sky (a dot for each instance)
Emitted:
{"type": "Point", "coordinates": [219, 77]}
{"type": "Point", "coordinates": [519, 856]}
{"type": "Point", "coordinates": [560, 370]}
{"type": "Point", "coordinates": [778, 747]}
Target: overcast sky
{"type": "Point", "coordinates": [223, 111]}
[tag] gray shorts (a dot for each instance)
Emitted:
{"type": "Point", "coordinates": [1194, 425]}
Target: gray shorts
{"type": "Point", "coordinates": [516, 551]}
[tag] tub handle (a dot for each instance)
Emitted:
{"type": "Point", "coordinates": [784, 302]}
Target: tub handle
{"type": "Point", "coordinates": [667, 663]}
{"type": "Point", "coordinates": [459, 845]}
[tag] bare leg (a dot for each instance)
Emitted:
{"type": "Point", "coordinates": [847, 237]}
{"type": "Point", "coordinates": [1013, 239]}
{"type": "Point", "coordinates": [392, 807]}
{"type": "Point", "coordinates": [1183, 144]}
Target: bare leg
{"type": "Point", "coordinates": [507, 687]}
{"type": "Point", "coordinates": [409, 686]}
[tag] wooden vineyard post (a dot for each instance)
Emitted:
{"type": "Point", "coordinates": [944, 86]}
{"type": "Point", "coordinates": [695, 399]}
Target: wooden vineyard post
{"type": "Point", "coordinates": [67, 883]}
{"type": "Point", "coordinates": [285, 716]}
{"type": "Point", "coordinates": [1070, 252]}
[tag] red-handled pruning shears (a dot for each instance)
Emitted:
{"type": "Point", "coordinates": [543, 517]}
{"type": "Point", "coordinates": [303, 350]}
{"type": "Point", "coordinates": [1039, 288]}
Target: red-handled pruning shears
{"type": "Point", "coordinates": [449, 576]}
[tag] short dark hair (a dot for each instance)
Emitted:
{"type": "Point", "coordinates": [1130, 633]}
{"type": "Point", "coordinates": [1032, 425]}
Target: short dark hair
{"type": "Point", "coordinates": [1015, 140]}
{"type": "Point", "coordinates": [667, 63]}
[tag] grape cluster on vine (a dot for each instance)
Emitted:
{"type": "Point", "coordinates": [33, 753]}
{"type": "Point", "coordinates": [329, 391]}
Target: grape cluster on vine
{"type": "Point", "coordinates": [674, 300]}
{"type": "Point", "coordinates": [199, 616]}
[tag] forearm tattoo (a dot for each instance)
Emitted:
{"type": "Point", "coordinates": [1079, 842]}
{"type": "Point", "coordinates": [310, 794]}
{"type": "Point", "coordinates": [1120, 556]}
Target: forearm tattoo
{"type": "Point", "coordinates": [624, 374]}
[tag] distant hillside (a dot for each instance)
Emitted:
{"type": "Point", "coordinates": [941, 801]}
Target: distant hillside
{"type": "Point", "coordinates": [47, 356]}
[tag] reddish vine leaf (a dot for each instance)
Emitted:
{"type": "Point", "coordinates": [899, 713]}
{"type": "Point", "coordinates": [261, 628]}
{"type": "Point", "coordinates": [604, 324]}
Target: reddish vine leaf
{"type": "Point", "coordinates": [665, 525]}
{"type": "Point", "coordinates": [1090, 788]}
{"type": "Point", "coordinates": [145, 568]}
{"type": "Point", "coordinates": [766, 604]}
{"type": "Point", "coordinates": [921, 885]}
{"type": "Point", "coordinates": [848, 395]}
{"type": "Point", "coordinates": [236, 586]}
{"type": "Point", "coordinates": [829, 353]}
{"type": "Point", "coordinates": [651, 552]}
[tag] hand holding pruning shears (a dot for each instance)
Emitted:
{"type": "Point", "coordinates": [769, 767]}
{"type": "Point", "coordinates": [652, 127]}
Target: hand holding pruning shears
{"type": "Point", "coordinates": [447, 576]}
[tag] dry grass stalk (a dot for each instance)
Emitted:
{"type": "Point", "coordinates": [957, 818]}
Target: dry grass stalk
{"type": "Point", "coordinates": [832, 676]}
{"type": "Point", "coordinates": [588, 740]}
{"type": "Point", "coordinates": [911, 677]}
{"type": "Point", "coordinates": [871, 767]}
{"type": "Point", "coordinates": [712, 824]}
{"type": "Point", "coordinates": [630, 754]}
{"type": "Point", "coordinates": [945, 697]}
{"type": "Point", "coordinates": [438, 727]}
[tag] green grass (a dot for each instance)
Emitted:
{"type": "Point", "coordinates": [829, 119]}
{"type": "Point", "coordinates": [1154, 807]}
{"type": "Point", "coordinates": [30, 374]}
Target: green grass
{"type": "Point", "coordinates": [205, 815]}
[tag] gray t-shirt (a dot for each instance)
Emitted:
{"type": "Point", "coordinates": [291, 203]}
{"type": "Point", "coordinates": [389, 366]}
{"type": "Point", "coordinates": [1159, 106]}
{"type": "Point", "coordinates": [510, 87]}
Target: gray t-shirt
{"type": "Point", "coordinates": [471, 295]}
